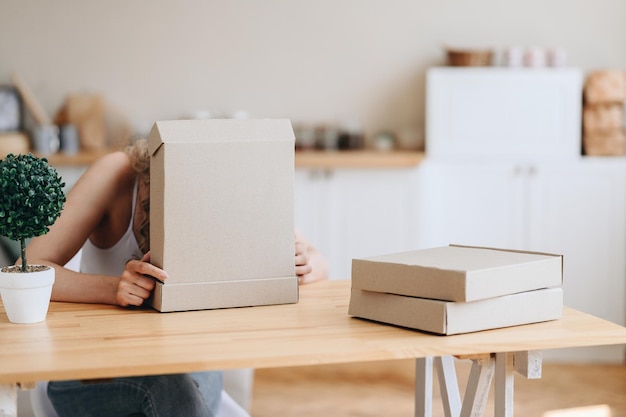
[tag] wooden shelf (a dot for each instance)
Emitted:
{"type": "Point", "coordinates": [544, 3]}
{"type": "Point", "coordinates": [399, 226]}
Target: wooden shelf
{"type": "Point", "coordinates": [303, 159]}
{"type": "Point", "coordinates": [358, 159]}
{"type": "Point", "coordinates": [80, 159]}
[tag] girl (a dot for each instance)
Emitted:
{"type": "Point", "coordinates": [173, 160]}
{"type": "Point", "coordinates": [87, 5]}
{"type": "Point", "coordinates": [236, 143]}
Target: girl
{"type": "Point", "coordinates": [107, 215]}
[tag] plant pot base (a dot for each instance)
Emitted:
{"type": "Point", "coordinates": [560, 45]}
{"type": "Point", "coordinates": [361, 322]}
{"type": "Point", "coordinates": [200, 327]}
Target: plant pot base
{"type": "Point", "coordinates": [26, 296]}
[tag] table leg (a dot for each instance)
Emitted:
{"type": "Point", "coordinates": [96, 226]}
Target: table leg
{"type": "Point", "coordinates": [8, 400]}
{"type": "Point", "coordinates": [503, 388]}
{"type": "Point", "coordinates": [477, 390]}
{"type": "Point", "coordinates": [448, 385]}
{"type": "Point", "coordinates": [528, 363]}
{"type": "Point", "coordinates": [424, 387]}
{"type": "Point", "coordinates": [484, 367]}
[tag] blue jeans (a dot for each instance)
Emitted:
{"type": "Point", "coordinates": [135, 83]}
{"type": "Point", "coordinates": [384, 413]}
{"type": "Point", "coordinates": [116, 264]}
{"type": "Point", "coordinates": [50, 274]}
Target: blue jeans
{"type": "Point", "coordinates": [181, 395]}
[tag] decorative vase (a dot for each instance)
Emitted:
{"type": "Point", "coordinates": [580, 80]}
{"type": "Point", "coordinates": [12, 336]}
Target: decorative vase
{"type": "Point", "coordinates": [26, 296]}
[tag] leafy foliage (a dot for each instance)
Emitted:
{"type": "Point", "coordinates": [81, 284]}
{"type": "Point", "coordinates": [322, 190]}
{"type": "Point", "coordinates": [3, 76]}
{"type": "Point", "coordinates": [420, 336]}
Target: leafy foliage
{"type": "Point", "coordinates": [31, 197]}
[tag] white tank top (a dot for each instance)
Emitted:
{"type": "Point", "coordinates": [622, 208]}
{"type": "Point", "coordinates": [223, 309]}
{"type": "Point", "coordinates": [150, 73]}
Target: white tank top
{"type": "Point", "coordinates": [111, 261]}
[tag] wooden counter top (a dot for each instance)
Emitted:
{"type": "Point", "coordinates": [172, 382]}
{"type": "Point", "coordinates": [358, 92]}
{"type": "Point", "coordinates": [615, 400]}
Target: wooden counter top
{"type": "Point", "coordinates": [358, 159]}
{"type": "Point", "coordinates": [303, 159]}
{"type": "Point", "coordinates": [82, 158]}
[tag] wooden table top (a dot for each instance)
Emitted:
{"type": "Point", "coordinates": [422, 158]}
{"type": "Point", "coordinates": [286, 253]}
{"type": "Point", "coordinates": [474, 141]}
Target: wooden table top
{"type": "Point", "coordinates": [95, 341]}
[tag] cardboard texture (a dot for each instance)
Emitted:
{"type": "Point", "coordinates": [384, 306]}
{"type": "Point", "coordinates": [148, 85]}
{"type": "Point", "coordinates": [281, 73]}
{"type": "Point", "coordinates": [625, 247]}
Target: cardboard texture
{"type": "Point", "coordinates": [458, 273]}
{"type": "Point", "coordinates": [448, 318]}
{"type": "Point", "coordinates": [221, 213]}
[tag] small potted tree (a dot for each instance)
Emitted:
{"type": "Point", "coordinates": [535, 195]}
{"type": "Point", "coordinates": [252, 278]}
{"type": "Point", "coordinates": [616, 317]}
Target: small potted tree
{"type": "Point", "coordinates": [31, 199]}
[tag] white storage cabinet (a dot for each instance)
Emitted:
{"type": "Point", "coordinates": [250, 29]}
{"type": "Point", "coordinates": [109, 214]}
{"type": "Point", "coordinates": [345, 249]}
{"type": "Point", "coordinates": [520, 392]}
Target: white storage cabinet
{"type": "Point", "coordinates": [531, 192]}
{"type": "Point", "coordinates": [503, 112]}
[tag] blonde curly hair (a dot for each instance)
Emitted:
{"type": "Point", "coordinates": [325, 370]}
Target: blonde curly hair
{"type": "Point", "coordinates": [140, 157]}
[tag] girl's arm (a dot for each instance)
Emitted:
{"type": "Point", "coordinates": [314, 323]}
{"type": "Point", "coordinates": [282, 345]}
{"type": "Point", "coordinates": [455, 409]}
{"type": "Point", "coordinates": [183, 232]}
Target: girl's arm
{"type": "Point", "coordinates": [87, 210]}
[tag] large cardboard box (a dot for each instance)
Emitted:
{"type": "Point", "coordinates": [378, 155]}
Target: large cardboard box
{"type": "Point", "coordinates": [221, 213]}
{"type": "Point", "coordinates": [458, 273]}
{"type": "Point", "coordinates": [448, 318]}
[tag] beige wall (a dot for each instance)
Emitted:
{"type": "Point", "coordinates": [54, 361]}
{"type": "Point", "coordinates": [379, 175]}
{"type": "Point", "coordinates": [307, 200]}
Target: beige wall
{"type": "Point", "coordinates": [313, 60]}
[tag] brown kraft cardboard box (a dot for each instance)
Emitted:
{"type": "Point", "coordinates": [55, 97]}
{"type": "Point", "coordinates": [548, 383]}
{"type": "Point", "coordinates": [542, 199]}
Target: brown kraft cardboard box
{"type": "Point", "coordinates": [221, 215]}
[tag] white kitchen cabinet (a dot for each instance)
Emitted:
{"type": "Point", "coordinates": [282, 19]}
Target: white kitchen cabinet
{"type": "Point", "coordinates": [573, 208]}
{"type": "Point", "coordinates": [350, 213]}
{"type": "Point", "coordinates": [474, 204]}
{"type": "Point", "coordinates": [497, 111]}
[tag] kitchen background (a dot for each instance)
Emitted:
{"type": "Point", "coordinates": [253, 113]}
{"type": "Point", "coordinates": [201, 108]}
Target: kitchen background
{"type": "Point", "coordinates": [354, 62]}
{"type": "Point", "coordinates": [357, 64]}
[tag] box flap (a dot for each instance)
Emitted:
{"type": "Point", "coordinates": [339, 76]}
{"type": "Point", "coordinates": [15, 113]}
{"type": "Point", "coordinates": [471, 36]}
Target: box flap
{"type": "Point", "coordinates": [219, 130]}
{"type": "Point", "coordinates": [224, 294]}
{"type": "Point", "coordinates": [154, 139]}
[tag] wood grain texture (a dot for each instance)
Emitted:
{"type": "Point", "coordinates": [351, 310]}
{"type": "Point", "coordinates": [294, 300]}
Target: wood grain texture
{"type": "Point", "coordinates": [95, 341]}
{"type": "Point", "coordinates": [357, 159]}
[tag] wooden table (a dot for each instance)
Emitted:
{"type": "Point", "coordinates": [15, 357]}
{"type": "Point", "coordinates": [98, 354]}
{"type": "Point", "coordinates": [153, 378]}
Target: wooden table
{"type": "Point", "coordinates": [80, 341]}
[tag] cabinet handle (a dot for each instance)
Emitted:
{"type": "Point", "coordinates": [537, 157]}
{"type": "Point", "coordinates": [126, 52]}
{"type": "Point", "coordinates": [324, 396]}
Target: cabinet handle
{"type": "Point", "coordinates": [320, 174]}
{"type": "Point", "coordinates": [314, 174]}
{"type": "Point", "coordinates": [532, 170]}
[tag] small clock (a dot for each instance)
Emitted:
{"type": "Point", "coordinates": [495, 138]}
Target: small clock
{"type": "Point", "coordinates": [10, 109]}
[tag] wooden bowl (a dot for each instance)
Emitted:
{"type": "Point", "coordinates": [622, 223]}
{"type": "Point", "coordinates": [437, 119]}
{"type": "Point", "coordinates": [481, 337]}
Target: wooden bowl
{"type": "Point", "coordinates": [470, 57]}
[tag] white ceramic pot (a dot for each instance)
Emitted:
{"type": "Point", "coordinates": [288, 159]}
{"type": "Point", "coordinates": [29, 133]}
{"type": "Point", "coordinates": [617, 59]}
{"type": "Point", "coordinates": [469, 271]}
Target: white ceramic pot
{"type": "Point", "coordinates": [26, 296]}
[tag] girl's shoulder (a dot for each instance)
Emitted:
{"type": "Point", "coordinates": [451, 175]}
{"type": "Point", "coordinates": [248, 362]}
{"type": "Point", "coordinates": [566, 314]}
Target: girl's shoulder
{"type": "Point", "coordinates": [113, 160]}
{"type": "Point", "coordinates": [116, 165]}
{"type": "Point", "coordinates": [108, 175]}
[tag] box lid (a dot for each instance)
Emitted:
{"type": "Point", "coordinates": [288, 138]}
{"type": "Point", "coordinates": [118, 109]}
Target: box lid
{"type": "Point", "coordinates": [458, 273]}
{"type": "Point", "coordinates": [219, 130]}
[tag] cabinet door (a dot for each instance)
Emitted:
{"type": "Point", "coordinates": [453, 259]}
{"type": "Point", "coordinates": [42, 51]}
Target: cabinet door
{"type": "Point", "coordinates": [471, 203]}
{"type": "Point", "coordinates": [373, 212]}
{"type": "Point", "coordinates": [348, 213]}
{"type": "Point", "coordinates": [311, 207]}
{"type": "Point", "coordinates": [578, 210]}
{"type": "Point", "coordinates": [500, 112]}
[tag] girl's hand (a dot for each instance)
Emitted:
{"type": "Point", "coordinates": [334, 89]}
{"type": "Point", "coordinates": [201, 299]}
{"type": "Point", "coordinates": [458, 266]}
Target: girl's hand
{"type": "Point", "coordinates": [137, 282]}
{"type": "Point", "coordinates": [310, 264]}
{"type": "Point", "coordinates": [303, 268]}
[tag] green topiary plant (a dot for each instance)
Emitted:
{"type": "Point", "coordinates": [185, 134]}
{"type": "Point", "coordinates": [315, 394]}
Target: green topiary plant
{"type": "Point", "coordinates": [31, 198]}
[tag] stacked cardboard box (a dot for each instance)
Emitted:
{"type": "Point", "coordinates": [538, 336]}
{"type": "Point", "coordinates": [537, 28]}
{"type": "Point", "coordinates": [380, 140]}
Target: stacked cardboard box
{"type": "Point", "coordinates": [458, 289]}
{"type": "Point", "coordinates": [603, 113]}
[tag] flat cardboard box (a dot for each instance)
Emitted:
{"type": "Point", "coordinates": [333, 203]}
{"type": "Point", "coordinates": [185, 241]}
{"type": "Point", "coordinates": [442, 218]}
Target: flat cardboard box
{"type": "Point", "coordinates": [221, 215]}
{"type": "Point", "coordinates": [448, 318]}
{"type": "Point", "coordinates": [458, 273]}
